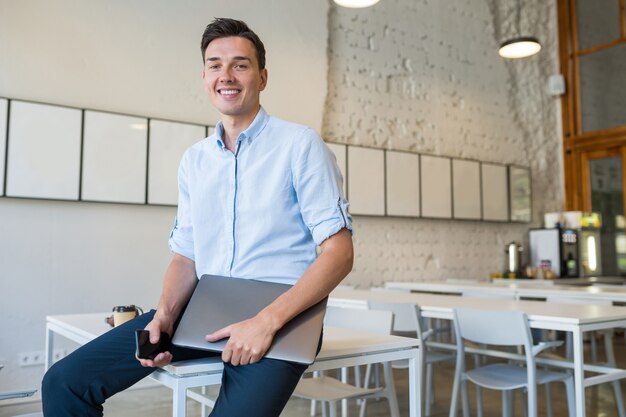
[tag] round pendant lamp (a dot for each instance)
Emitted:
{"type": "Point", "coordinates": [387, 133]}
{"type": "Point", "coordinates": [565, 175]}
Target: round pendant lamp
{"type": "Point", "coordinates": [356, 3]}
{"type": "Point", "coordinates": [519, 46]}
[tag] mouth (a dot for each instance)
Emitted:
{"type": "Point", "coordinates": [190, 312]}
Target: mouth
{"type": "Point", "coordinates": [228, 92]}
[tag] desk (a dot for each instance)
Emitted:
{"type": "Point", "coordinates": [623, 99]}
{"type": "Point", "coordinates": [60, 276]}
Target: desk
{"type": "Point", "coordinates": [340, 348]}
{"type": "Point", "coordinates": [520, 289]}
{"type": "Point", "coordinates": [574, 318]}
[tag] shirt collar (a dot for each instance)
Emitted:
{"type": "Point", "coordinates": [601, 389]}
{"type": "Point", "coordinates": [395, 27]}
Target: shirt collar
{"type": "Point", "coordinates": [251, 132]}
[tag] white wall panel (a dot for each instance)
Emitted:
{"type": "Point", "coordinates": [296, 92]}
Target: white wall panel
{"type": "Point", "coordinates": [43, 151]}
{"type": "Point", "coordinates": [436, 185]}
{"type": "Point", "coordinates": [466, 189]}
{"type": "Point", "coordinates": [114, 158]}
{"type": "Point", "coordinates": [168, 142]}
{"type": "Point", "coordinates": [366, 181]}
{"type": "Point", "coordinates": [403, 184]}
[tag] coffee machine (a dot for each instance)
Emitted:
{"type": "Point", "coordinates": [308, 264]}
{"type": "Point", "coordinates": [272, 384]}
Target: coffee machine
{"type": "Point", "coordinates": [556, 250]}
{"type": "Point", "coordinates": [587, 225]}
{"type": "Point", "coordinates": [569, 245]}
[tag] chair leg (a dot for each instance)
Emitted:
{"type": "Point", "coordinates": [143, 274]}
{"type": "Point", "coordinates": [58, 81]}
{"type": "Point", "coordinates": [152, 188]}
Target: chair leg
{"type": "Point", "coordinates": [333, 408]}
{"type": "Point", "coordinates": [548, 400]}
{"type": "Point", "coordinates": [391, 390]}
{"type": "Point", "coordinates": [465, 398]}
{"type": "Point", "coordinates": [532, 400]}
{"type": "Point", "coordinates": [610, 358]}
{"type": "Point", "coordinates": [569, 390]}
{"type": "Point", "coordinates": [523, 402]}
{"type": "Point", "coordinates": [506, 406]}
{"type": "Point", "coordinates": [455, 389]}
{"type": "Point", "coordinates": [479, 401]}
{"type": "Point", "coordinates": [427, 400]}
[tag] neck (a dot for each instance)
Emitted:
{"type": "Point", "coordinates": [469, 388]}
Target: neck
{"type": "Point", "coordinates": [233, 126]}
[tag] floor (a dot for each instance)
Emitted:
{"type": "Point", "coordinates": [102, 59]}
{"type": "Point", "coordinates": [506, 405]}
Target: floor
{"type": "Point", "coordinates": [156, 402]}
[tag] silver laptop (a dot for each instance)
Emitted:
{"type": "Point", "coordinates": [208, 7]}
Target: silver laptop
{"type": "Point", "coordinates": [220, 301]}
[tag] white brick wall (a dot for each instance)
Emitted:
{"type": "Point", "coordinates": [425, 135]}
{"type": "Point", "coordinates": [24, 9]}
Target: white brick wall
{"type": "Point", "coordinates": [425, 76]}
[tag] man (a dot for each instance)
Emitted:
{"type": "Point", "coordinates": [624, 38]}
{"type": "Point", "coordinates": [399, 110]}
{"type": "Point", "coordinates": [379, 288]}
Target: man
{"type": "Point", "coordinates": [255, 199]}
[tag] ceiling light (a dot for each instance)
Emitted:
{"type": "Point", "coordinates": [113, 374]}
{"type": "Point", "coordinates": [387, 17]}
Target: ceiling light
{"type": "Point", "coordinates": [519, 47]}
{"type": "Point", "coordinates": [356, 3]}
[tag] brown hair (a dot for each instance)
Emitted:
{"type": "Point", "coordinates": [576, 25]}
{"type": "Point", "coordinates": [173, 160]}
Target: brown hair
{"type": "Point", "coordinates": [223, 27]}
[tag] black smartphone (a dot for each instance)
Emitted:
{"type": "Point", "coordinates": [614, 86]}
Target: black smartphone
{"type": "Point", "coordinates": [145, 349]}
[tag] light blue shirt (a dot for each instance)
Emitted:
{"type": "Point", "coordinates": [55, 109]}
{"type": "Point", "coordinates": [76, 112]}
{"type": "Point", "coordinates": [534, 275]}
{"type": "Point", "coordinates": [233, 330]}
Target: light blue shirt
{"type": "Point", "coordinates": [260, 212]}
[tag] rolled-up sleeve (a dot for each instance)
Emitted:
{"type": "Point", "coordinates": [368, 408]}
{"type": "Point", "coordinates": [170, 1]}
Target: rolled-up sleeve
{"type": "Point", "coordinates": [181, 236]}
{"type": "Point", "coordinates": [318, 184]}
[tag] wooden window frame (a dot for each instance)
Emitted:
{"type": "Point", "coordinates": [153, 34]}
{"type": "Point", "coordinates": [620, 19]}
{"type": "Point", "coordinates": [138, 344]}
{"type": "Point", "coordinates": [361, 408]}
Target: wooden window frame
{"type": "Point", "coordinates": [579, 147]}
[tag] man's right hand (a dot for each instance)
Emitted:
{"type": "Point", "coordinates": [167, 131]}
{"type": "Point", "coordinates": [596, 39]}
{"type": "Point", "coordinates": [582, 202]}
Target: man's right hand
{"type": "Point", "coordinates": [155, 327]}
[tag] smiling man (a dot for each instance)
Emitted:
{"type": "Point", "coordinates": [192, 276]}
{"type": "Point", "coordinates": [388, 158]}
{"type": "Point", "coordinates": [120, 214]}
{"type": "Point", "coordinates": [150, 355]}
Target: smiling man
{"type": "Point", "coordinates": [255, 201]}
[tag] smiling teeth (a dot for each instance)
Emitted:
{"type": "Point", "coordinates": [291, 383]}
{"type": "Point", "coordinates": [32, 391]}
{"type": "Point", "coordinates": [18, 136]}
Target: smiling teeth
{"type": "Point", "coordinates": [229, 91]}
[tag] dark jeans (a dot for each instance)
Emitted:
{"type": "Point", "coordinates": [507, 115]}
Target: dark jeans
{"type": "Point", "coordinates": [78, 385]}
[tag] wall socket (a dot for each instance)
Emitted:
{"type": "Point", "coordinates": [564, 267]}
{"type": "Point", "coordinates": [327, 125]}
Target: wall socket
{"type": "Point", "coordinates": [38, 358]}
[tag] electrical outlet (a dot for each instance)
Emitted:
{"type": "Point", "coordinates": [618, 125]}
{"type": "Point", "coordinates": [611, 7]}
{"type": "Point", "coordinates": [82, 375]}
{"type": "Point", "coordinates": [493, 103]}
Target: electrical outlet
{"type": "Point", "coordinates": [58, 355]}
{"type": "Point", "coordinates": [31, 358]}
{"type": "Point", "coordinates": [37, 358]}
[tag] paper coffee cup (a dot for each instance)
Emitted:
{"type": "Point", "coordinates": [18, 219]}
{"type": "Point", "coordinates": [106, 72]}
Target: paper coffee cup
{"type": "Point", "coordinates": [122, 314]}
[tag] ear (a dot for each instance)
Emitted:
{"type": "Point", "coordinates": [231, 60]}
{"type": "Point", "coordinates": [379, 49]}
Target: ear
{"type": "Point", "coordinates": [263, 79]}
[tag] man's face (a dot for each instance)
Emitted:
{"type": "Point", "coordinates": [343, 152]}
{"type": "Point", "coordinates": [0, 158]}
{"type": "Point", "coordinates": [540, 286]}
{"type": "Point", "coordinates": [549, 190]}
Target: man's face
{"type": "Point", "coordinates": [232, 78]}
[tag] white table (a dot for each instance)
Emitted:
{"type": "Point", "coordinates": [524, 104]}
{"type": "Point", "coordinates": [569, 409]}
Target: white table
{"type": "Point", "coordinates": [574, 318]}
{"type": "Point", "coordinates": [340, 348]}
{"type": "Point", "coordinates": [520, 289]}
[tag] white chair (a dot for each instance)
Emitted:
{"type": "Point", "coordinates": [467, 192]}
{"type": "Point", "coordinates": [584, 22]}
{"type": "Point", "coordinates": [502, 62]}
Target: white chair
{"type": "Point", "coordinates": [608, 344]}
{"type": "Point", "coordinates": [408, 322]}
{"type": "Point", "coordinates": [502, 328]}
{"type": "Point", "coordinates": [330, 390]}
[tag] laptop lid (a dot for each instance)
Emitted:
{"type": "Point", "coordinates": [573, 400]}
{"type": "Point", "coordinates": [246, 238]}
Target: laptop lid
{"type": "Point", "coordinates": [220, 301]}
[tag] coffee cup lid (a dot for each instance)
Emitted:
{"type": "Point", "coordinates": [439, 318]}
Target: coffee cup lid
{"type": "Point", "coordinates": [124, 309]}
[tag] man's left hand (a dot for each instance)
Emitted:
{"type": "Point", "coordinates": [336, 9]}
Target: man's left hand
{"type": "Point", "coordinates": [249, 340]}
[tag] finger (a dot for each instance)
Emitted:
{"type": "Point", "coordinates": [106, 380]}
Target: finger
{"type": "Point", "coordinates": [246, 355]}
{"type": "Point", "coordinates": [163, 358]}
{"type": "Point", "coordinates": [155, 333]}
{"type": "Point", "coordinates": [218, 334]}
{"type": "Point", "coordinates": [227, 354]}
{"type": "Point", "coordinates": [254, 356]}
{"type": "Point", "coordinates": [235, 358]}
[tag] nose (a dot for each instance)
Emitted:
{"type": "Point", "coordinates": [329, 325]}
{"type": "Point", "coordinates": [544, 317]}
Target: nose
{"type": "Point", "coordinates": [226, 76]}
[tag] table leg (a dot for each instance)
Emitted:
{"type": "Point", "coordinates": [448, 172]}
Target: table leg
{"type": "Point", "coordinates": [179, 400]}
{"type": "Point", "coordinates": [579, 373]}
{"type": "Point", "coordinates": [49, 348]}
{"type": "Point", "coordinates": [415, 400]}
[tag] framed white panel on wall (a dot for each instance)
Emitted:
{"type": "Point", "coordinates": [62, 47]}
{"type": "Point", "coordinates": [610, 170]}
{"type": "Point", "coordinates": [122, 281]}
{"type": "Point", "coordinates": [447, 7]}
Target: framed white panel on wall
{"type": "Point", "coordinates": [43, 158]}
{"type": "Point", "coordinates": [466, 189]}
{"type": "Point", "coordinates": [366, 181]}
{"type": "Point", "coordinates": [495, 192]}
{"type": "Point", "coordinates": [4, 109]}
{"type": "Point", "coordinates": [403, 184]}
{"type": "Point", "coordinates": [114, 158]}
{"type": "Point", "coordinates": [168, 142]}
{"type": "Point", "coordinates": [436, 186]}
{"type": "Point", "coordinates": [340, 154]}
{"type": "Point", "coordinates": [520, 198]}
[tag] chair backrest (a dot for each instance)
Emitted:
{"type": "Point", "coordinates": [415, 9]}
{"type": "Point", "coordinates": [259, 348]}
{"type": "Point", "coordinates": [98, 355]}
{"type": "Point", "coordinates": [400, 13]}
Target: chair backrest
{"type": "Point", "coordinates": [359, 319]}
{"type": "Point", "coordinates": [407, 318]}
{"type": "Point", "coordinates": [502, 328]}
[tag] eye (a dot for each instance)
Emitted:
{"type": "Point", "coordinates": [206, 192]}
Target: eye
{"type": "Point", "coordinates": [212, 66]}
{"type": "Point", "coordinates": [241, 66]}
